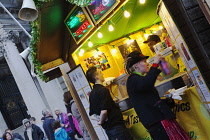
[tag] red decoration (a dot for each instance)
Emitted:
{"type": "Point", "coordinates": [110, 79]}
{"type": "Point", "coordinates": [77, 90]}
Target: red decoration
{"type": "Point", "coordinates": [98, 9]}
{"type": "Point", "coordinates": [83, 27]}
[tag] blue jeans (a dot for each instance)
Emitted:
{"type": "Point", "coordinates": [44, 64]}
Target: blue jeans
{"type": "Point", "coordinates": [118, 132]}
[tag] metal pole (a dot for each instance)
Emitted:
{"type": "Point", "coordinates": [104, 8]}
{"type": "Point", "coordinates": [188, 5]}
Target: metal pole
{"type": "Point", "coordinates": [15, 20]}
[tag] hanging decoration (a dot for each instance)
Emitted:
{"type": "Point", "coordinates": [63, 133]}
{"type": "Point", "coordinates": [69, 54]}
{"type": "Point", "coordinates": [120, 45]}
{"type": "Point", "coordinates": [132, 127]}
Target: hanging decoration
{"type": "Point", "coordinates": [39, 3]}
{"type": "Point", "coordinates": [33, 48]}
{"type": "Point", "coordinates": [35, 33]}
{"type": "Point", "coordinates": [81, 3]}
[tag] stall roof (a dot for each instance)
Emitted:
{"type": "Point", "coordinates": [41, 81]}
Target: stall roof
{"type": "Point", "coordinates": [52, 40]}
{"type": "Point", "coordinates": [142, 16]}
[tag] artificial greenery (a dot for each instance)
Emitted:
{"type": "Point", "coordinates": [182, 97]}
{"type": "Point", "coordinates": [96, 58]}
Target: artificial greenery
{"type": "Point", "coordinates": [39, 3]}
{"type": "Point", "coordinates": [81, 3]}
{"type": "Point", "coordinates": [36, 34]}
{"type": "Point", "coordinates": [34, 43]}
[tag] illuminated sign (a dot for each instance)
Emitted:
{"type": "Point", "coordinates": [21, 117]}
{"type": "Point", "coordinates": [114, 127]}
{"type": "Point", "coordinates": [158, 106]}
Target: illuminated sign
{"type": "Point", "coordinates": [98, 9]}
{"type": "Point", "coordinates": [78, 23]}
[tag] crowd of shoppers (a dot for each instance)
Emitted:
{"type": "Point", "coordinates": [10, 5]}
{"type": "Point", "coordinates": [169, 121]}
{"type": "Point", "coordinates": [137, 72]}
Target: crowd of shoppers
{"type": "Point", "coordinates": [51, 129]}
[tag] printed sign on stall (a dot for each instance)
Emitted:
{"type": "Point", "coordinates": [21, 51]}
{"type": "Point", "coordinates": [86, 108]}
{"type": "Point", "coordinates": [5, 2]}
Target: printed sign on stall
{"type": "Point", "coordinates": [135, 127]}
{"type": "Point", "coordinates": [192, 115]}
{"type": "Point", "coordinates": [200, 84]}
{"type": "Point", "coordinates": [190, 112]}
{"type": "Point", "coordinates": [83, 89]}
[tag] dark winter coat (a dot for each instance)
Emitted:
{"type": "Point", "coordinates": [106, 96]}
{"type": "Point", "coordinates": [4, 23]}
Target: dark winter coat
{"type": "Point", "coordinates": [48, 127]}
{"type": "Point", "coordinates": [145, 98]}
{"type": "Point", "coordinates": [37, 133]}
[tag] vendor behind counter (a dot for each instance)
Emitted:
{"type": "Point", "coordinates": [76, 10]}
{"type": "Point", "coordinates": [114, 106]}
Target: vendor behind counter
{"type": "Point", "coordinates": [190, 111]}
{"type": "Point", "coordinates": [175, 63]}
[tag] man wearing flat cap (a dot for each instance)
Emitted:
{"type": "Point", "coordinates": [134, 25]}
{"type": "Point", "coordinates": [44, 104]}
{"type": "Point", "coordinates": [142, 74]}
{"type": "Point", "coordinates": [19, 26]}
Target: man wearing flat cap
{"type": "Point", "coordinates": [151, 41]}
{"type": "Point", "coordinates": [174, 65]}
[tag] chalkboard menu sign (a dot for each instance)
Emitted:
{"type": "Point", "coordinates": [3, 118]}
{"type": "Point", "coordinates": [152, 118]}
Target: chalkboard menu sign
{"type": "Point", "coordinates": [78, 23]}
{"type": "Point", "coordinates": [98, 9]}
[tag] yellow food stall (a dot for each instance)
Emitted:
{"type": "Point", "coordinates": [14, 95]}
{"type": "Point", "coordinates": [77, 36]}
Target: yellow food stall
{"type": "Point", "coordinates": [107, 48]}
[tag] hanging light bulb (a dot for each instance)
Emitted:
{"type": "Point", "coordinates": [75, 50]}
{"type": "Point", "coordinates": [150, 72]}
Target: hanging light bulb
{"type": "Point", "coordinates": [95, 53]}
{"type": "Point", "coordinates": [129, 40]}
{"type": "Point", "coordinates": [100, 35]}
{"type": "Point", "coordinates": [126, 14]}
{"type": "Point", "coordinates": [160, 27]}
{"type": "Point", "coordinates": [113, 50]}
{"type": "Point", "coordinates": [82, 51]}
{"type": "Point", "coordinates": [110, 27]}
{"type": "Point", "coordinates": [142, 1]}
{"type": "Point", "coordinates": [90, 44]}
{"type": "Point", "coordinates": [99, 52]}
{"type": "Point", "coordinates": [146, 36]}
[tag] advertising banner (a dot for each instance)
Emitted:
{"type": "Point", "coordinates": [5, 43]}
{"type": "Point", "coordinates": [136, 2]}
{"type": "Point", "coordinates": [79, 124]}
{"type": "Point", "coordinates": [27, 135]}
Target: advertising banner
{"type": "Point", "coordinates": [191, 115]}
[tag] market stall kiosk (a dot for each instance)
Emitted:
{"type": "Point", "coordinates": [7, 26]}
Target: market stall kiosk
{"type": "Point", "coordinates": [104, 32]}
{"type": "Point", "coordinates": [191, 110]}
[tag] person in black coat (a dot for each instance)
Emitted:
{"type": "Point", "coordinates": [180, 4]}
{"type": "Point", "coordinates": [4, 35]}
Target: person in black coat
{"type": "Point", "coordinates": [103, 109]}
{"type": "Point", "coordinates": [48, 124]}
{"type": "Point", "coordinates": [32, 131]}
{"type": "Point", "coordinates": [153, 112]}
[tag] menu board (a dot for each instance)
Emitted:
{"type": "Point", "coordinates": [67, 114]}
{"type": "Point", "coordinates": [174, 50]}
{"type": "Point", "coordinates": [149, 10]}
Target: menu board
{"type": "Point", "coordinates": [83, 89]}
{"type": "Point", "coordinates": [78, 23]}
{"type": "Point", "coordinates": [98, 9]}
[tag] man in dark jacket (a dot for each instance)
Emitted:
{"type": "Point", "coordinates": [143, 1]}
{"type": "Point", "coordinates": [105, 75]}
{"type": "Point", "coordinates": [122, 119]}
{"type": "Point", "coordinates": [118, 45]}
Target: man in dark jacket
{"type": "Point", "coordinates": [103, 108]}
{"type": "Point", "coordinates": [48, 124]}
{"type": "Point", "coordinates": [32, 131]}
{"type": "Point", "coordinates": [14, 135]}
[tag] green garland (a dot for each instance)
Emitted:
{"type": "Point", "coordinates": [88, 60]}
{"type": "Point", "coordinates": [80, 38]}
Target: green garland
{"type": "Point", "coordinates": [33, 48]}
{"type": "Point", "coordinates": [39, 3]}
{"type": "Point", "coordinates": [35, 33]}
{"type": "Point", "coordinates": [81, 3]}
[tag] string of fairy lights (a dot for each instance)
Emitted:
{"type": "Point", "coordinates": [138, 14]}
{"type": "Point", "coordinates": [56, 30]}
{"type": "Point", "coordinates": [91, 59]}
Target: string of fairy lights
{"type": "Point", "coordinates": [127, 39]}
{"type": "Point", "coordinates": [36, 33]}
{"type": "Point", "coordinates": [111, 29]}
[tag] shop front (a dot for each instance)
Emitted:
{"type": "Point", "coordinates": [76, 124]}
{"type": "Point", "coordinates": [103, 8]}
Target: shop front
{"type": "Point", "coordinates": [107, 49]}
{"type": "Point", "coordinates": [105, 32]}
